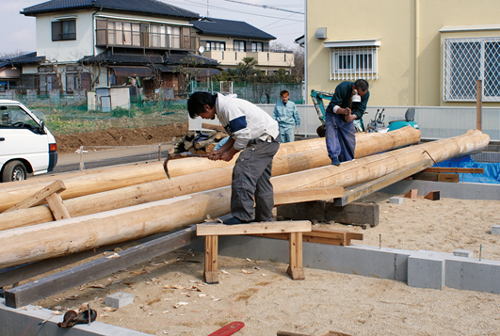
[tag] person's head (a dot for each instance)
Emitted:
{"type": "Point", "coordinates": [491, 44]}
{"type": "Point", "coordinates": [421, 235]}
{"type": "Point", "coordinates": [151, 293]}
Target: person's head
{"type": "Point", "coordinates": [361, 86]}
{"type": "Point", "coordinates": [202, 104]}
{"type": "Point", "coordinates": [284, 95]}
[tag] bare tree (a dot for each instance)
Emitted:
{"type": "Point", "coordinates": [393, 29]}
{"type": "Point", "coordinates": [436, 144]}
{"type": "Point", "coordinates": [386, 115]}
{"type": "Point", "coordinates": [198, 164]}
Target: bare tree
{"type": "Point", "coordinates": [188, 71]}
{"type": "Point", "coordinates": [298, 68]}
{"type": "Point", "coordinates": [277, 46]}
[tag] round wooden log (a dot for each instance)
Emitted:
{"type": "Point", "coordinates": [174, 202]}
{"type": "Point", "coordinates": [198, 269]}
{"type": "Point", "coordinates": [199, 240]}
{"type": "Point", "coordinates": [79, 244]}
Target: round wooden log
{"type": "Point", "coordinates": [204, 180]}
{"type": "Point", "coordinates": [114, 178]}
{"type": "Point", "coordinates": [210, 147]}
{"type": "Point", "coordinates": [47, 240]}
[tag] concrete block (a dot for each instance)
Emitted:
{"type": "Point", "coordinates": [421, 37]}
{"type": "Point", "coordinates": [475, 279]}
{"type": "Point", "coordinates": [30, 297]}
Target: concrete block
{"type": "Point", "coordinates": [495, 229]}
{"type": "Point", "coordinates": [472, 274]}
{"type": "Point", "coordinates": [303, 211]}
{"type": "Point", "coordinates": [396, 200]}
{"type": "Point", "coordinates": [119, 299]}
{"type": "Point", "coordinates": [353, 213]}
{"type": "Point", "coordinates": [426, 270]}
{"type": "Point", "coordinates": [463, 253]}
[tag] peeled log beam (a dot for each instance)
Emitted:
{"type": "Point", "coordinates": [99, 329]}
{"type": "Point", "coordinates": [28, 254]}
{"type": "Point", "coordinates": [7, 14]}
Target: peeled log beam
{"type": "Point", "coordinates": [43, 241]}
{"type": "Point", "coordinates": [115, 178]}
{"type": "Point", "coordinates": [205, 180]}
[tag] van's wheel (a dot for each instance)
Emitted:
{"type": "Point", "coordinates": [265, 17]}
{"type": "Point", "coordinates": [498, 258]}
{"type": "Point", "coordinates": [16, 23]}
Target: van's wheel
{"type": "Point", "coordinates": [14, 171]}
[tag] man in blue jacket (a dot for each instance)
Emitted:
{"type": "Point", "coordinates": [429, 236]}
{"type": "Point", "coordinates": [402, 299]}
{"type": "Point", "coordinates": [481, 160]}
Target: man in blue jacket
{"type": "Point", "coordinates": [340, 114]}
{"type": "Point", "coordinates": [286, 114]}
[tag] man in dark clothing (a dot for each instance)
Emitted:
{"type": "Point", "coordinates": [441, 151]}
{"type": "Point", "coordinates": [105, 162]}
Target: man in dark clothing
{"type": "Point", "coordinates": [340, 114]}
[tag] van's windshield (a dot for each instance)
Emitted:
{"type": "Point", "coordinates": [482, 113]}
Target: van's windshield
{"type": "Point", "coordinates": [16, 117]}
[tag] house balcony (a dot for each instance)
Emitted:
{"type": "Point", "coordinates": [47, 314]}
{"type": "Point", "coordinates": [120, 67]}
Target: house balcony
{"type": "Point", "coordinates": [145, 40]}
{"type": "Point", "coordinates": [232, 58]}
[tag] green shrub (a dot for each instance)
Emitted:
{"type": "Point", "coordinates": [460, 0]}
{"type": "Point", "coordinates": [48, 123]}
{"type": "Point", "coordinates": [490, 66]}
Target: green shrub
{"type": "Point", "coordinates": [121, 112]}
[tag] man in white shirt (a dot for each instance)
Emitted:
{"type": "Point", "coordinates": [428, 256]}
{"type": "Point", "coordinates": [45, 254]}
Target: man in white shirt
{"type": "Point", "coordinates": [253, 132]}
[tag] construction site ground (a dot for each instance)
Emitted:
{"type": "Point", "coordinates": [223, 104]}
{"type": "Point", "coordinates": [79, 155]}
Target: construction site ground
{"type": "Point", "coordinates": [170, 297]}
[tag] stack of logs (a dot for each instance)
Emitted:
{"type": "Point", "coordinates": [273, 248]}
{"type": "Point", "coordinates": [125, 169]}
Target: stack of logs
{"type": "Point", "coordinates": [197, 142]}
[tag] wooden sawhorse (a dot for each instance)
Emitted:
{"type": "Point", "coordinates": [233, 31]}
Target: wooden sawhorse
{"type": "Point", "coordinates": [213, 231]}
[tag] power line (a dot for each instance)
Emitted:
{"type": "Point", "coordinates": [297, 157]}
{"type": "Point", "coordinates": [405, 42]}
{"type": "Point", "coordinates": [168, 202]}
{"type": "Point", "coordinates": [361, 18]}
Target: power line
{"type": "Point", "coordinates": [237, 11]}
{"type": "Point", "coordinates": [264, 6]}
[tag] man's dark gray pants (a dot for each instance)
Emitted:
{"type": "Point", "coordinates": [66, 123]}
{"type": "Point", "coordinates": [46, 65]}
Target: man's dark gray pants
{"type": "Point", "coordinates": [251, 179]}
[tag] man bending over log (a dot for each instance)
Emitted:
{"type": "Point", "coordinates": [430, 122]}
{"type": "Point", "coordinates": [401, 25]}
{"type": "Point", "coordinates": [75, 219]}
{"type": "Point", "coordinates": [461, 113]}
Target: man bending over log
{"type": "Point", "coordinates": [256, 134]}
{"type": "Point", "coordinates": [348, 103]}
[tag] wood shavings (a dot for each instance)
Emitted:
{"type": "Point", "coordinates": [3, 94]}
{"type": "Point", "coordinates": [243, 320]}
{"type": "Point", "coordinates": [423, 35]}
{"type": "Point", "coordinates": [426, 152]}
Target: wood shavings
{"type": "Point", "coordinates": [104, 315]}
{"type": "Point", "coordinates": [72, 297]}
{"type": "Point", "coordinates": [225, 272]}
{"type": "Point", "coordinates": [244, 271]}
{"type": "Point", "coordinates": [97, 286]}
{"type": "Point", "coordinates": [109, 309]}
{"type": "Point", "coordinates": [215, 300]}
{"type": "Point", "coordinates": [180, 303]}
{"type": "Point", "coordinates": [113, 256]}
{"type": "Point", "coordinates": [248, 259]}
{"type": "Point", "coordinates": [202, 295]}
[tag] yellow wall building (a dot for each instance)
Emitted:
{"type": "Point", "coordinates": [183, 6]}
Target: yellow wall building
{"type": "Point", "coordinates": [412, 52]}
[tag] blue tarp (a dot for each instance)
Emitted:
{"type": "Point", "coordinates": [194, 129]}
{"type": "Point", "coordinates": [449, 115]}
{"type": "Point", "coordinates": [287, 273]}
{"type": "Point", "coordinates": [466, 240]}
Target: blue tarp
{"type": "Point", "coordinates": [491, 170]}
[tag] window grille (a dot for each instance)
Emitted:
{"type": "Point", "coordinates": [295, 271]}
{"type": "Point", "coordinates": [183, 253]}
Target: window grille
{"type": "Point", "coordinates": [466, 60]}
{"type": "Point", "coordinates": [353, 63]}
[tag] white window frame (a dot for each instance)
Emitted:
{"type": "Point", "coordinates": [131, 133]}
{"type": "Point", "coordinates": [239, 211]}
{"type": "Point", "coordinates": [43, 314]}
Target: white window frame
{"type": "Point", "coordinates": [355, 50]}
{"type": "Point", "coordinates": [469, 89]}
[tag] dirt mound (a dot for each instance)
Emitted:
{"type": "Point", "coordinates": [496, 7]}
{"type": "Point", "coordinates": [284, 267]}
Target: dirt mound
{"type": "Point", "coordinates": [121, 137]}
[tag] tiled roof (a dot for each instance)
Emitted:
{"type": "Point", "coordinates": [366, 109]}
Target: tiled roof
{"type": "Point", "coordinates": [30, 58]}
{"type": "Point", "coordinates": [211, 26]}
{"type": "Point", "coordinates": [140, 59]}
{"type": "Point", "coordinates": [151, 7]}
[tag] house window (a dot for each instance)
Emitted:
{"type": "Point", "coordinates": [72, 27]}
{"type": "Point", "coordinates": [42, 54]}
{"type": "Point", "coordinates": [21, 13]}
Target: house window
{"type": "Point", "coordinates": [353, 63]}
{"type": "Point", "coordinates": [215, 45]}
{"type": "Point", "coordinates": [239, 45]}
{"type": "Point", "coordinates": [466, 60]}
{"type": "Point", "coordinates": [174, 37]}
{"type": "Point", "coordinates": [64, 30]}
{"type": "Point", "coordinates": [257, 46]}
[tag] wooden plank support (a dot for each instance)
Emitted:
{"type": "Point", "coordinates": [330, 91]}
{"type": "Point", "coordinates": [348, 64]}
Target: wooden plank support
{"type": "Point", "coordinates": [39, 197]}
{"type": "Point", "coordinates": [292, 229]}
{"type": "Point", "coordinates": [433, 195]}
{"type": "Point", "coordinates": [453, 178]}
{"type": "Point", "coordinates": [454, 170]}
{"type": "Point", "coordinates": [253, 228]}
{"type": "Point", "coordinates": [211, 259]}
{"type": "Point", "coordinates": [321, 236]}
{"type": "Point", "coordinates": [295, 269]}
{"type": "Point", "coordinates": [56, 283]}
{"type": "Point", "coordinates": [307, 195]}
{"type": "Point", "coordinates": [380, 183]}
{"type": "Point", "coordinates": [413, 193]}
{"type": "Point", "coordinates": [56, 206]}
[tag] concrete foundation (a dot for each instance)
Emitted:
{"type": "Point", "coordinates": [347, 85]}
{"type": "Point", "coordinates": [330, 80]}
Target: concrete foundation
{"type": "Point", "coordinates": [423, 269]}
{"type": "Point", "coordinates": [26, 321]}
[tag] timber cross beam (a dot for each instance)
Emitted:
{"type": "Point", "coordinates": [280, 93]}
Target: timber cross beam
{"type": "Point", "coordinates": [49, 194]}
{"type": "Point", "coordinates": [293, 228]}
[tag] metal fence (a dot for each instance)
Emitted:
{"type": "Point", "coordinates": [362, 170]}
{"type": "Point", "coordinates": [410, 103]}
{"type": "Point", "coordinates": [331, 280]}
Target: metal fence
{"type": "Point", "coordinates": [257, 93]}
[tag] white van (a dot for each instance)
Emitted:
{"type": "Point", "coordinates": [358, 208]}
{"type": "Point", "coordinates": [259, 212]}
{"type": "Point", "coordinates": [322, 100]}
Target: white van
{"type": "Point", "coordinates": [26, 145]}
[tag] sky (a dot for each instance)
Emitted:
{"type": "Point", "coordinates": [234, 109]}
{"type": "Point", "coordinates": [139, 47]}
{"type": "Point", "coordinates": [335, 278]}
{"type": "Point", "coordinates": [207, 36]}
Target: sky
{"type": "Point", "coordinates": [19, 31]}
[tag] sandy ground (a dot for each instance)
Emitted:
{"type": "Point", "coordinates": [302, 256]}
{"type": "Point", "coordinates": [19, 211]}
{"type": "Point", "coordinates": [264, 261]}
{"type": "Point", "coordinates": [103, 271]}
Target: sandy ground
{"type": "Point", "coordinates": [171, 298]}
